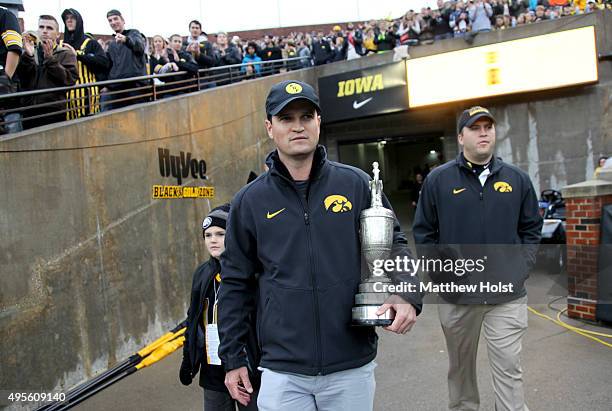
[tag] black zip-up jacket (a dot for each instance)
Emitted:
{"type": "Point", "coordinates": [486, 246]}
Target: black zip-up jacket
{"type": "Point", "coordinates": [212, 376]}
{"type": "Point", "coordinates": [307, 253]}
{"type": "Point", "coordinates": [457, 217]}
{"type": "Point", "coordinates": [127, 59]}
{"type": "Point", "coordinates": [322, 51]}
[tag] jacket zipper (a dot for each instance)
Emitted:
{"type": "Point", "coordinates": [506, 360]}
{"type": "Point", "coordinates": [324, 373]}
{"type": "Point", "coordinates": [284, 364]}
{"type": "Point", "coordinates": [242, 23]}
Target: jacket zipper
{"type": "Point", "coordinates": [482, 211]}
{"type": "Point", "coordinates": [313, 279]}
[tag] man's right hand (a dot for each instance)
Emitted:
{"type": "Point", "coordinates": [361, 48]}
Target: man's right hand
{"type": "Point", "coordinates": [239, 386]}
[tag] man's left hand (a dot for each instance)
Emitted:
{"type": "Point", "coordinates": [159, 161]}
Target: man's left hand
{"type": "Point", "coordinates": [47, 46]}
{"type": "Point", "coordinates": [405, 314]}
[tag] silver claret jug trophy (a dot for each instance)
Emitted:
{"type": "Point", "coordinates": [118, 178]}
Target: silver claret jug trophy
{"type": "Point", "coordinates": [376, 235]}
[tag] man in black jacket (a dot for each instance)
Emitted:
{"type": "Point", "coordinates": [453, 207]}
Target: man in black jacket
{"type": "Point", "coordinates": [91, 62]}
{"type": "Point", "coordinates": [322, 50]}
{"type": "Point", "coordinates": [127, 55]}
{"type": "Point", "coordinates": [271, 53]}
{"type": "Point", "coordinates": [479, 207]}
{"type": "Point", "coordinates": [440, 22]}
{"type": "Point", "coordinates": [227, 54]}
{"type": "Point", "coordinates": [293, 234]}
{"type": "Point", "coordinates": [202, 51]}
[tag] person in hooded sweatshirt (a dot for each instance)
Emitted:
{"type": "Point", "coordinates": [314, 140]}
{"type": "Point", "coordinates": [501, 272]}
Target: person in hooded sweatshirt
{"type": "Point", "coordinates": [92, 64]}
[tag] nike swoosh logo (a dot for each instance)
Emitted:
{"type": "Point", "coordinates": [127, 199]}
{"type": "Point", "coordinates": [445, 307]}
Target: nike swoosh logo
{"type": "Point", "coordinates": [357, 105]}
{"type": "Point", "coordinates": [457, 191]}
{"type": "Point", "coordinates": [272, 215]}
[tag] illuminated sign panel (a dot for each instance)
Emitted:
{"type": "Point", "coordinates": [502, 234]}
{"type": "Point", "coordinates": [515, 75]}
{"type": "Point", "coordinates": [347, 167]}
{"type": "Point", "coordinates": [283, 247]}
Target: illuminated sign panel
{"type": "Point", "coordinates": [535, 63]}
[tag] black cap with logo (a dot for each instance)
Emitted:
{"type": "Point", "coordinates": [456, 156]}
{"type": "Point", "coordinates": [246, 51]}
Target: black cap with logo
{"type": "Point", "coordinates": [287, 91]}
{"type": "Point", "coordinates": [471, 115]}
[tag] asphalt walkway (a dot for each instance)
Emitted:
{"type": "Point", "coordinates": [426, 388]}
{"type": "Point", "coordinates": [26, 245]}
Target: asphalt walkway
{"type": "Point", "coordinates": [563, 370]}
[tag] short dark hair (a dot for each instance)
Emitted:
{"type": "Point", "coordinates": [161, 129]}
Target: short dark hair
{"type": "Point", "coordinates": [49, 17]}
{"type": "Point", "coordinates": [175, 35]}
{"type": "Point", "coordinates": [196, 22]}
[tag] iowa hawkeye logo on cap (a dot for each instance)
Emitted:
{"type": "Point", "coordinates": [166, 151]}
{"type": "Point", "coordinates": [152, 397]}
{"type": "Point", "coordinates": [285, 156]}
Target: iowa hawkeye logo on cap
{"type": "Point", "coordinates": [293, 88]}
{"type": "Point", "coordinates": [337, 203]}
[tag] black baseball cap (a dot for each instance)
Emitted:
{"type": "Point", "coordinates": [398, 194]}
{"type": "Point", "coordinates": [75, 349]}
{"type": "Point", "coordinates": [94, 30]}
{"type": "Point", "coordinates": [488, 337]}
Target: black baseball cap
{"type": "Point", "coordinates": [113, 12]}
{"type": "Point", "coordinates": [471, 115]}
{"type": "Point", "coordinates": [287, 91]}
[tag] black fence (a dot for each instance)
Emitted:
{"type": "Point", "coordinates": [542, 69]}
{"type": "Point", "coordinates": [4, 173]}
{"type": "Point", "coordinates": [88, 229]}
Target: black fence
{"type": "Point", "coordinates": [81, 100]}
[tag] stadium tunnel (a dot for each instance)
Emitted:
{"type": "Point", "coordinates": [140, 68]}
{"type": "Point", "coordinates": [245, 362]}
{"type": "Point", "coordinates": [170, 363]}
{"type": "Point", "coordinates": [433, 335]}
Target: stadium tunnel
{"type": "Point", "coordinates": [403, 113]}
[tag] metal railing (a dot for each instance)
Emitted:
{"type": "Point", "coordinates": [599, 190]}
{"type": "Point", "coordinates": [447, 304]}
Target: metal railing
{"type": "Point", "coordinates": [82, 100]}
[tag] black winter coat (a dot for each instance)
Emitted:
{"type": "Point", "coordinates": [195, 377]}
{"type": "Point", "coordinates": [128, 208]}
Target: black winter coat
{"type": "Point", "coordinates": [459, 218]}
{"type": "Point", "coordinates": [195, 337]}
{"type": "Point", "coordinates": [307, 253]}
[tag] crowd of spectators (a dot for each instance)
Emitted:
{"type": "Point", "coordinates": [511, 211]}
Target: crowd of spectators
{"type": "Point", "coordinates": [80, 58]}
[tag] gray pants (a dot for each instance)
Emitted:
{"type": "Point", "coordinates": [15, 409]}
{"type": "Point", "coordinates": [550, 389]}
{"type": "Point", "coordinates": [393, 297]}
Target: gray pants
{"type": "Point", "coordinates": [348, 390]}
{"type": "Point", "coordinates": [222, 401]}
{"type": "Point", "coordinates": [504, 326]}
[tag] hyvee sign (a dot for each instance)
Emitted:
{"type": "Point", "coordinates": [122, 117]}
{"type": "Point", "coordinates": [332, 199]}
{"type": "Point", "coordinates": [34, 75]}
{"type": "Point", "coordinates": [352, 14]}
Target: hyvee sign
{"type": "Point", "coordinates": [362, 93]}
{"type": "Point", "coordinates": [180, 166]}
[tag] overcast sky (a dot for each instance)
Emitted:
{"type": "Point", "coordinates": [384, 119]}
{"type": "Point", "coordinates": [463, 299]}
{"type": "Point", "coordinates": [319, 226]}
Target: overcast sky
{"type": "Point", "coordinates": [169, 17]}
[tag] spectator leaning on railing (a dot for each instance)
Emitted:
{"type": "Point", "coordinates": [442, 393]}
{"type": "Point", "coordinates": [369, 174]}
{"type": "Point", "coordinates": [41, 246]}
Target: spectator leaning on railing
{"type": "Point", "coordinates": [199, 46]}
{"type": "Point", "coordinates": [251, 61]}
{"type": "Point", "coordinates": [202, 50]}
{"type": "Point", "coordinates": [46, 64]}
{"type": "Point", "coordinates": [441, 21]}
{"type": "Point", "coordinates": [384, 36]}
{"type": "Point", "coordinates": [10, 52]}
{"type": "Point", "coordinates": [181, 60]}
{"type": "Point", "coordinates": [321, 50]}
{"type": "Point", "coordinates": [127, 55]}
{"type": "Point", "coordinates": [227, 54]}
{"type": "Point", "coordinates": [158, 59]}
{"type": "Point", "coordinates": [304, 53]}
{"type": "Point", "coordinates": [91, 61]}
{"type": "Point", "coordinates": [270, 52]}
{"type": "Point", "coordinates": [480, 13]}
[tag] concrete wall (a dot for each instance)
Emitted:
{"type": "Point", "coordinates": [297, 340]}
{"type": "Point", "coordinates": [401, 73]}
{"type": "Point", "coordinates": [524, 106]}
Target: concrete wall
{"type": "Point", "coordinates": [92, 268]}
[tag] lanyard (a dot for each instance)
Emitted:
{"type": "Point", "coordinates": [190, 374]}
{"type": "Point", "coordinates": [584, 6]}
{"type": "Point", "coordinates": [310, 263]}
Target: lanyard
{"type": "Point", "coordinates": [216, 287]}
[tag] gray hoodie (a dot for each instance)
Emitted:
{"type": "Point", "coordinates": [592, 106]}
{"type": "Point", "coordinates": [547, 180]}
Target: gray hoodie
{"type": "Point", "coordinates": [480, 17]}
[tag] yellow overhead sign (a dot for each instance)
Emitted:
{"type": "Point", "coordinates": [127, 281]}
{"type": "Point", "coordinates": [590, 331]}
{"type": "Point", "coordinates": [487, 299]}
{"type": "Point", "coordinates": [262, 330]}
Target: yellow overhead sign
{"type": "Point", "coordinates": [536, 63]}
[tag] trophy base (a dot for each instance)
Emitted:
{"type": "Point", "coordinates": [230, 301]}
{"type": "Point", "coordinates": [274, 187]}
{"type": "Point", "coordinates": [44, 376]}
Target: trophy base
{"type": "Point", "coordinates": [365, 316]}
